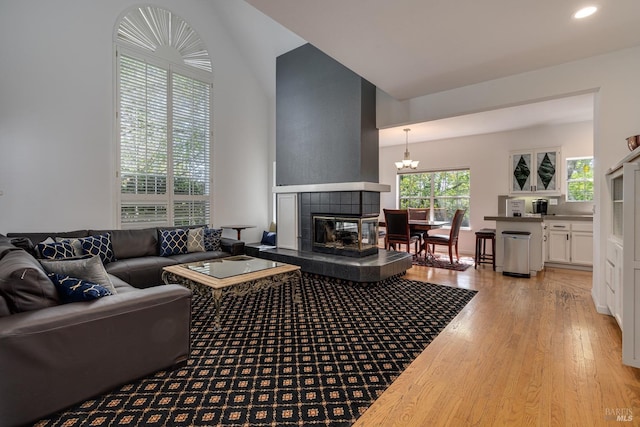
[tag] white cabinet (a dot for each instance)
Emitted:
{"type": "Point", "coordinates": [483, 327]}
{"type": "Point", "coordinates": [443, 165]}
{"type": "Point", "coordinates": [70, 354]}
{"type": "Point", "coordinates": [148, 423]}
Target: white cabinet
{"type": "Point", "coordinates": [622, 266]}
{"type": "Point", "coordinates": [581, 243]}
{"type": "Point", "coordinates": [558, 249]}
{"type": "Point", "coordinates": [613, 278]}
{"type": "Point", "coordinates": [569, 243]}
{"type": "Point", "coordinates": [535, 171]}
{"type": "Point", "coordinates": [631, 265]}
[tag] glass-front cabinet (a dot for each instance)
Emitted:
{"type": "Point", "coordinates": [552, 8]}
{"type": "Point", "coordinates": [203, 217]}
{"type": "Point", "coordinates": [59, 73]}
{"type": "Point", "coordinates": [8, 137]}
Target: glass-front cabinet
{"type": "Point", "coordinates": [535, 171]}
{"type": "Point", "coordinates": [617, 202]}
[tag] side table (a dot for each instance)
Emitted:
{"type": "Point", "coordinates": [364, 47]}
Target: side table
{"type": "Point", "coordinates": [238, 228]}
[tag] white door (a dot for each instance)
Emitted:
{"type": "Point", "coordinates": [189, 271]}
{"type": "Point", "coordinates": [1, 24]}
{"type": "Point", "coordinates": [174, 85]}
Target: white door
{"type": "Point", "coordinates": [287, 221]}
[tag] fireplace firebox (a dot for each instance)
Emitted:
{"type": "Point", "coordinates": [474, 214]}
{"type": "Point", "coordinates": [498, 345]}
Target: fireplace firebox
{"type": "Point", "coordinates": [353, 236]}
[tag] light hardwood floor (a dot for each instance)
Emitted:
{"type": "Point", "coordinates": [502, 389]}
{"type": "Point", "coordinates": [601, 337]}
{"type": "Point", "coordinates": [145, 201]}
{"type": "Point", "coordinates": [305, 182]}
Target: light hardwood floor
{"type": "Point", "coordinates": [522, 352]}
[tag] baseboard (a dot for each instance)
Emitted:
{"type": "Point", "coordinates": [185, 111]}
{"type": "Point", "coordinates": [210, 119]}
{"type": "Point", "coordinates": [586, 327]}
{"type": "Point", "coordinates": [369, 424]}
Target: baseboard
{"type": "Point", "coordinates": [568, 266]}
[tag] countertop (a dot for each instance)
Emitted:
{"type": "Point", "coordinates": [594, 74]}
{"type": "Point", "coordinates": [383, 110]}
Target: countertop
{"type": "Point", "coordinates": [540, 218]}
{"type": "Point", "coordinates": [514, 218]}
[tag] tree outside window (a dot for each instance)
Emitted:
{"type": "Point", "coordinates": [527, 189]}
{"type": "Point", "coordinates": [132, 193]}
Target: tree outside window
{"type": "Point", "coordinates": [580, 179]}
{"type": "Point", "coordinates": [443, 192]}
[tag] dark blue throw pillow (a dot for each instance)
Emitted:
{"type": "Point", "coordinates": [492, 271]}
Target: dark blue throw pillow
{"type": "Point", "coordinates": [212, 239]}
{"type": "Point", "coordinates": [99, 245]}
{"type": "Point", "coordinates": [173, 242]}
{"type": "Point", "coordinates": [268, 238]}
{"type": "Point", "coordinates": [71, 289]}
{"type": "Point", "coordinates": [55, 250]}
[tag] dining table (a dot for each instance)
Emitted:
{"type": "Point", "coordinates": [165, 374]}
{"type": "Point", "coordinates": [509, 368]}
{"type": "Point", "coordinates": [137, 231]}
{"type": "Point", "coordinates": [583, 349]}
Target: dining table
{"type": "Point", "coordinates": [426, 226]}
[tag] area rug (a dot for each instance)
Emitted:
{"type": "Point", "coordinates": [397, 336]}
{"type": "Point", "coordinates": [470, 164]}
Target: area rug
{"type": "Point", "coordinates": [276, 362]}
{"type": "Point", "coordinates": [442, 262]}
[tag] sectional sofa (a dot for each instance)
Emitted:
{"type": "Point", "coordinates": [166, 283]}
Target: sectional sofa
{"type": "Point", "coordinates": [137, 254]}
{"type": "Point", "coordinates": [54, 354]}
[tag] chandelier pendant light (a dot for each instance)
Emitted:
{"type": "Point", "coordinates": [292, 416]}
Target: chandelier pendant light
{"type": "Point", "coordinates": [407, 163]}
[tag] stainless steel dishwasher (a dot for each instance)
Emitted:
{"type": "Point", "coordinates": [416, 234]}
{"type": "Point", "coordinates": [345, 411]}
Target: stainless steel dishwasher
{"type": "Point", "coordinates": [516, 253]}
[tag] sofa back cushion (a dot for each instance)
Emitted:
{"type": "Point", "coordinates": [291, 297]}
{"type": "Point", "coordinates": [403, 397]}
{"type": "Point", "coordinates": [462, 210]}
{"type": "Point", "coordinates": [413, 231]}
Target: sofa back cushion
{"type": "Point", "coordinates": [24, 284]}
{"type": "Point", "coordinates": [132, 243]}
{"type": "Point", "coordinates": [42, 236]}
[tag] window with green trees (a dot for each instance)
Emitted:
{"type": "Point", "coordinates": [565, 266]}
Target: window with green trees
{"type": "Point", "coordinates": [580, 179]}
{"type": "Point", "coordinates": [441, 191]}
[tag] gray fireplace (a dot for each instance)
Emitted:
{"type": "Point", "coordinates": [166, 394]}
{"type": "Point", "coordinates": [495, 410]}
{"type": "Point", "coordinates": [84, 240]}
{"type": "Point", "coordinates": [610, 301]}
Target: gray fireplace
{"type": "Point", "coordinates": [327, 170]}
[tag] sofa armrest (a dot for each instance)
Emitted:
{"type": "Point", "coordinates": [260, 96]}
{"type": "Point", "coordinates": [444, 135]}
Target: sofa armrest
{"type": "Point", "coordinates": [58, 356]}
{"type": "Point", "coordinates": [233, 246]}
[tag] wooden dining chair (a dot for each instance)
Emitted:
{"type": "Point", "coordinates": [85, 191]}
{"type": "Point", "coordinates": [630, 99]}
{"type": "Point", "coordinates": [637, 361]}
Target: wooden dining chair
{"type": "Point", "coordinates": [421, 214]}
{"type": "Point", "coordinates": [398, 230]}
{"type": "Point", "coordinates": [451, 240]}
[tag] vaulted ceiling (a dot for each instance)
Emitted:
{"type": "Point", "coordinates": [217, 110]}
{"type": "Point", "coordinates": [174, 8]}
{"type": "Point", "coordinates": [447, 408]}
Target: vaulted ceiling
{"type": "Point", "coordinates": [411, 48]}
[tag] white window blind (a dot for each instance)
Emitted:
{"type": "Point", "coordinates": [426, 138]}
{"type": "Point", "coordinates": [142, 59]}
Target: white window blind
{"type": "Point", "coordinates": [191, 145]}
{"type": "Point", "coordinates": [164, 180]}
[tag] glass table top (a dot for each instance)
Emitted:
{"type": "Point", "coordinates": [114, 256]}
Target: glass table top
{"type": "Point", "coordinates": [231, 266]}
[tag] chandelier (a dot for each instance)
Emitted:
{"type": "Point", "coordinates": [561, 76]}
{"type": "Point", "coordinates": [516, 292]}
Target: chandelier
{"type": "Point", "coordinates": [407, 163]}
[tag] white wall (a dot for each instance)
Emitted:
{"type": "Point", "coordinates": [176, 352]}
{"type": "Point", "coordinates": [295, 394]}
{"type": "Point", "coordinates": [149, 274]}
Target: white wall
{"type": "Point", "coordinates": [57, 144]}
{"type": "Point", "coordinates": [616, 78]}
{"type": "Point", "coordinates": [487, 157]}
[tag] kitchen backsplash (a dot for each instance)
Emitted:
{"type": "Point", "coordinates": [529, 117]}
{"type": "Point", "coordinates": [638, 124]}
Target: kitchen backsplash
{"type": "Point", "coordinates": [562, 208]}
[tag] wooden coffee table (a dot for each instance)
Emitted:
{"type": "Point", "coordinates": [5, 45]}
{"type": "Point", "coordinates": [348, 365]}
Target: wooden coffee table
{"type": "Point", "coordinates": [238, 275]}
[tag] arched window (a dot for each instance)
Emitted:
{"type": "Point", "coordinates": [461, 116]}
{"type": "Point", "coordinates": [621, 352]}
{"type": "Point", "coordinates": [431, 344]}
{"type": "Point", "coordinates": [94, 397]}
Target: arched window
{"type": "Point", "coordinates": [164, 103]}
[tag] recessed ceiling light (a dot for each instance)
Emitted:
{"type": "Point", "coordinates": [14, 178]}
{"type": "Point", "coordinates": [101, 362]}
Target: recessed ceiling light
{"type": "Point", "coordinates": [585, 11]}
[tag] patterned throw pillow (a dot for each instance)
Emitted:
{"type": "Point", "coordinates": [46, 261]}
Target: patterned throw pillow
{"type": "Point", "coordinates": [71, 289]}
{"type": "Point", "coordinates": [212, 237]}
{"type": "Point", "coordinates": [55, 250]}
{"type": "Point", "coordinates": [75, 243]}
{"type": "Point", "coordinates": [195, 240]}
{"type": "Point", "coordinates": [99, 245]}
{"type": "Point", "coordinates": [173, 242]}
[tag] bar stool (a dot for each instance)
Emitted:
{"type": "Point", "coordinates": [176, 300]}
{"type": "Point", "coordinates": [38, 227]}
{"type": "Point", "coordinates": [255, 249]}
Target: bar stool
{"type": "Point", "coordinates": [482, 257]}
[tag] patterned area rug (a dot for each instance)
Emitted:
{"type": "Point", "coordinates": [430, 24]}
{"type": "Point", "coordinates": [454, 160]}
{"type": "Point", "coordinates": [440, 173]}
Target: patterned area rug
{"type": "Point", "coordinates": [322, 361]}
{"type": "Point", "coordinates": [443, 262]}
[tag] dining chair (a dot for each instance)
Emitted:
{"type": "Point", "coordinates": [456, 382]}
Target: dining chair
{"type": "Point", "coordinates": [451, 240]}
{"type": "Point", "coordinates": [398, 230]}
{"type": "Point", "coordinates": [419, 214]}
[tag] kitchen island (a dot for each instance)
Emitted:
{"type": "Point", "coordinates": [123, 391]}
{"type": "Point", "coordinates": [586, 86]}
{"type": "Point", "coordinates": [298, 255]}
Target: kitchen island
{"type": "Point", "coordinates": [529, 223]}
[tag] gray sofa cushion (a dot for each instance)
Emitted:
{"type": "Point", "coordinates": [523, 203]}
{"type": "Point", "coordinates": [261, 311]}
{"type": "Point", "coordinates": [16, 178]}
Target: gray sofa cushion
{"type": "Point", "coordinates": [132, 243]}
{"type": "Point", "coordinates": [24, 283]}
{"type": "Point", "coordinates": [141, 272]}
